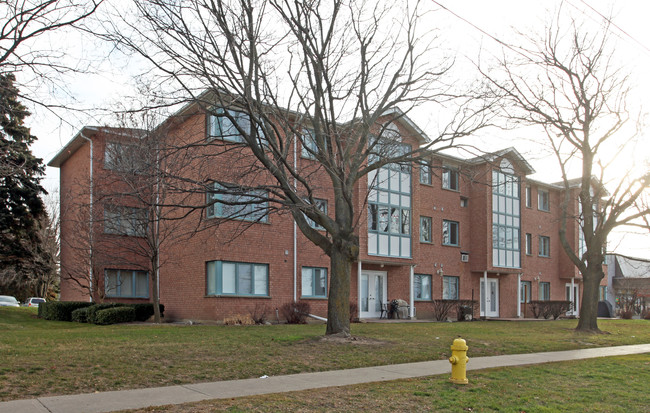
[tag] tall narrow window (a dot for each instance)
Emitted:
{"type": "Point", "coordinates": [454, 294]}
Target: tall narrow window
{"type": "Point", "coordinates": [450, 179]}
{"type": "Point", "coordinates": [389, 208]}
{"type": "Point", "coordinates": [309, 146]}
{"type": "Point", "coordinates": [529, 244]}
{"type": "Point", "coordinates": [529, 201]}
{"type": "Point", "coordinates": [425, 229]}
{"type": "Point", "coordinates": [450, 233]}
{"type": "Point", "coordinates": [422, 286]}
{"type": "Point", "coordinates": [425, 174]}
{"type": "Point", "coordinates": [505, 220]}
{"type": "Point", "coordinates": [544, 246]}
{"type": "Point", "coordinates": [542, 200]}
{"type": "Point", "coordinates": [544, 291]}
{"type": "Point", "coordinates": [524, 293]}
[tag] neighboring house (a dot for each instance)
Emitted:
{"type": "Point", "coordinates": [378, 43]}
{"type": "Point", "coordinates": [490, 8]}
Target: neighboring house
{"type": "Point", "coordinates": [629, 282]}
{"type": "Point", "coordinates": [446, 229]}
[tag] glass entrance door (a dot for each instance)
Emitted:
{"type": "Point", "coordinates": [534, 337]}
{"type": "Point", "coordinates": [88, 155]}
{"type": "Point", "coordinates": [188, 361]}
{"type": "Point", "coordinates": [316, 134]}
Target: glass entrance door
{"type": "Point", "coordinates": [491, 301]}
{"type": "Point", "coordinates": [373, 293]}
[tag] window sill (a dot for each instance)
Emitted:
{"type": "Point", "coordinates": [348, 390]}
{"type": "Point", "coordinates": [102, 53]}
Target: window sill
{"type": "Point", "coordinates": [544, 256]}
{"type": "Point", "coordinates": [313, 298]}
{"type": "Point", "coordinates": [236, 296]}
{"type": "Point", "coordinates": [543, 210]}
{"type": "Point", "coordinates": [426, 184]}
{"type": "Point", "coordinates": [426, 242]}
{"type": "Point", "coordinates": [451, 190]}
{"type": "Point", "coordinates": [451, 245]}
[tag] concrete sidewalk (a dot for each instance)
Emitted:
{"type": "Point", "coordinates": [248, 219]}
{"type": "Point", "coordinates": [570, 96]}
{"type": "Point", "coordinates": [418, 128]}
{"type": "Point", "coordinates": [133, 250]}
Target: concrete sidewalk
{"type": "Point", "coordinates": [158, 396]}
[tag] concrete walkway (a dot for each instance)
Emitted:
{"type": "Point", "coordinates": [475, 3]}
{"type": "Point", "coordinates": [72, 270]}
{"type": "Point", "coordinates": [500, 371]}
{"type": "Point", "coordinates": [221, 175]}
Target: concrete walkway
{"type": "Point", "coordinates": [158, 396]}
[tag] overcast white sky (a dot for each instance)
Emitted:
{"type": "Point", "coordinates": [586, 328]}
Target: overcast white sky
{"type": "Point", "coordinates": [466, 27]}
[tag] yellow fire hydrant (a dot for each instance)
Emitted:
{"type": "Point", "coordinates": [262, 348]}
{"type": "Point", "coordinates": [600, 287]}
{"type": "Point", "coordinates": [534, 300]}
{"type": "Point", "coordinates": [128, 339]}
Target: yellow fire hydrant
{"type": "Point", "coordinates": [458, 362]}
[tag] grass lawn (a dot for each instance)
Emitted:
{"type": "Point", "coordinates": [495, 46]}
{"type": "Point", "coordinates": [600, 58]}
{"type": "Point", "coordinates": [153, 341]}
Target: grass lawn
{"type": "Point", "coordinates": [48, 358]}
{"type": "Point", "coordinates": [613, 384]}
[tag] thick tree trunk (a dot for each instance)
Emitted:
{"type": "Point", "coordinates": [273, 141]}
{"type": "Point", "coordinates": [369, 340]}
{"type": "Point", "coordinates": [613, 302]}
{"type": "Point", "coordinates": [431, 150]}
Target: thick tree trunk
{"type": "Point", "coordinates": [589, 306]}
{"type": "Point", "coordinates": [338, 308]}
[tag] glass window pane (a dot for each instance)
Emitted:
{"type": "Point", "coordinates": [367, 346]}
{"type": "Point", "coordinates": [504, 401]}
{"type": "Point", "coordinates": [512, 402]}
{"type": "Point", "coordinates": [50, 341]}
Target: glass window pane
{"type": "Point", "coordinates": [228, 272]}
{"type": "Point", "coordinates": [126, 283]}
{"type": "Point", "coordinates": [111, 282]}
{"type": "Point", "coordinates": [141, 284]}
{"type": "Point", "coordinates": [261, 280]}
{"type": "Point", "coordinates": [320, 288]}
{"type": "Point", "coordinates": [307, 282]}
{"type": "Point", "coordinates": [245, 273]}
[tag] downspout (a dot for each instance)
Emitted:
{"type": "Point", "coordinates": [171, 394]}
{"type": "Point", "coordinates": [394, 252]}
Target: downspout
{"type": "Point", "coordinates": [295, 228]}
{"type": "Point", "coordinates": [485, 292]}
{"type": "Point", "coordinates": [411, 300]}
{"type": "Point", "coordinates": [519, 295]}
{"type": "Point", "coordinates": [90, 222]}
{"type": "Point", "coordinates": [359, 288]}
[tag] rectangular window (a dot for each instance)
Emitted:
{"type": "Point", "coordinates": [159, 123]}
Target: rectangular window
{"type": "Point", "coordinates": [425, 174]}
{"type": "Point", "coordinates": [314, 282]}
{"type": "Point", "coordinates": [450, 288]}
{"type": "Point", "coordinates": [126, 283]}
{"type": "Point", "coordinates": [602, 293]}
{"type": "Point", "coordinates": [464, 202]}
{"type": "Point", "coordinates": [542, 200]}
{"type": "Point", "coordinates": [226, 124]}
{"type": "Point", "coordinates": [309, 147]}
{"type": "Point", "coordinates": [237, 278]}
{"type": "Point", "coordinates": [422, 286]}
{"type": "Point", "coordinates": [529, 196]}
{"type": "Point", "coordinates": [524, 292]}
{"type": "Point", "coordinates": [321, 205]}
{"type": "Point", "coordinates": [121, 220]}
{"type": "Point", "coordinates": [544, 291]}
{"type": "Point", "coordinates": [234, 202]}
{"type": "Point", "coordinates": [529, 244]}
{"type": "Point", "coordinates": [122, 158]}
{"type": "Point", "coordinates": [544, 246]}
{"type": "Point", "coordinates": [425, 229]}
{"type": "Point", "coordinates": [450, 179]}
{"type": "Point", "coordinates": [450, 233]}
{"type": "Point", "coordinates": [506, 222]}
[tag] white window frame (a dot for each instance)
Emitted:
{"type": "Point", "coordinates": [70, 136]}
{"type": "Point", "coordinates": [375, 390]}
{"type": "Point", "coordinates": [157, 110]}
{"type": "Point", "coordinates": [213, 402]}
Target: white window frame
{"type": "Point", "coordinates": [529, 244]}
{"type": "Point", "coordinates": [234, 284]}
{"type": "Point", "coordinates": [529, 197]}
{"type": "Point", "coordinates": [528, 291]}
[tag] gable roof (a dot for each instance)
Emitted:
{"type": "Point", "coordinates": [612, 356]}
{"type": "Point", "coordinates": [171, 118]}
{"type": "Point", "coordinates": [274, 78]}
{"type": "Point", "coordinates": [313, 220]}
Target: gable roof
{"type": "Point", "coordinates": [510, 153]}
{"type": "Point", "coordinates": [88, 132]}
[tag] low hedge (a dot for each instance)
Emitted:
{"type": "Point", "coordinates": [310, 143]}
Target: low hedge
{"type": "Point", "coordinates": [115, 315]}
{"type": "Point", "coordinates": [60, 310]}
{"type": "Point", "coordinates": [80, 315]}
{"type": "Point", "coordinates": [92, 311]}
{"type": "Point", "coordinates": [145, 310]}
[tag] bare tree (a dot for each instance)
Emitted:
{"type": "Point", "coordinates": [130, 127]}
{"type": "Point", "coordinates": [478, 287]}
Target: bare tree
{"type": "Point", "coordinates": [568, 84]}
{"type": "Point", "coordinates": [325, 75]}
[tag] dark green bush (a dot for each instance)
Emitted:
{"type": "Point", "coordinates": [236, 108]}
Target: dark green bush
{"type": "Point", "coordinates": [115, 315]}
{"type": "Point", "coordinates": [145, 310]}
{"type": "Point", "coordinates": [80, 315]}
{"type": "Point", "coordinates": [92, 311]}
{"type": "Point", "coordinates": [60, 310]}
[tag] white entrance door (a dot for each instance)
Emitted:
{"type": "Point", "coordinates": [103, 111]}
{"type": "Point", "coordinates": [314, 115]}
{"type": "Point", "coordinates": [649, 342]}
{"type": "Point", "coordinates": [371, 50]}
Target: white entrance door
{"type": "Point", "coordinates": [491, 301]}
{"type": "Point", "coordinates": [373, 293]}
{"type": "Point", "coordinates": [574, 298]}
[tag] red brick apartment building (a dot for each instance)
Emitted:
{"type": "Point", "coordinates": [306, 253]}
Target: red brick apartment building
{"type": "Point", "coordinates": [449, 229]}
